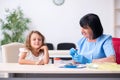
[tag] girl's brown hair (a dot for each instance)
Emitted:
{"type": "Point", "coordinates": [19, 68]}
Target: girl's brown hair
{"type": "Point", "coordinates": [27, 43]}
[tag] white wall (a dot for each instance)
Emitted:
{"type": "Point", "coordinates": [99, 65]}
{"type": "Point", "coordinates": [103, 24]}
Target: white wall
{"type": "Point", "coordinates": [61, 23]}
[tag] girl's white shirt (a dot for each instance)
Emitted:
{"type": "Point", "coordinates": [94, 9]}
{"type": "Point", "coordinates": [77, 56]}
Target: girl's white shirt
{"type": "Point", "coordinates": [29, 55]}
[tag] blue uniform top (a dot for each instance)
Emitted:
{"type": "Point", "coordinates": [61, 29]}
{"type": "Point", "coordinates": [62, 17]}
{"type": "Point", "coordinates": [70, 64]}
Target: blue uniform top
{"type": "Point", "coordinates": [103, 47]}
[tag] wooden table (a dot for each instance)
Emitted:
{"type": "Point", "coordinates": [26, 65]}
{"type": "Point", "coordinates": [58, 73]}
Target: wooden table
{"type": "Point", "coordinates": [53, 71]}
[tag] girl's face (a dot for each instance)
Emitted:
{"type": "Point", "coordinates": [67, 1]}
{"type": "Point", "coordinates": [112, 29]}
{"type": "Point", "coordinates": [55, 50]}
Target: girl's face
{"type": "Point", "coordinates": [35, 41]}
{"type": "Point", "coordinates": [87, 32]}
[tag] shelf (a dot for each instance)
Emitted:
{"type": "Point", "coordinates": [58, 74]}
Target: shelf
{"type": "Point", "coordinates": [117, 4]}
{"type": "Point", "coordinates": [117, 9]}
{"type": "Point", "coordinates": [117, 31]}
{"type": "Point", "coordinates": [117, 18]}
{"type": "Point", "coordinates": [117, 25]}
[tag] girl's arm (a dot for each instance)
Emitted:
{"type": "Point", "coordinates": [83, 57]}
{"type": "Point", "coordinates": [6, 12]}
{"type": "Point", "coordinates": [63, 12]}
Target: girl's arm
{"type": "Point", "coordinates": [22, 56]}
{"type": "Point", "coordinates": [22, 60]}
{"type": "Point", "coordinates": [46, 55]}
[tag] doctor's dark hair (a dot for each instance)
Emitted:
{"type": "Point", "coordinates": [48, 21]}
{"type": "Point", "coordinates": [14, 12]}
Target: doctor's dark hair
{"type": "Point", "coordinates": [92, 21]}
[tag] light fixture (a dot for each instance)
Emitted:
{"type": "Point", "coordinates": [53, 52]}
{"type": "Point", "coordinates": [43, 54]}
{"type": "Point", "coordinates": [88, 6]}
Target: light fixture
{"type": "Point", "coordinates": [58, 2]}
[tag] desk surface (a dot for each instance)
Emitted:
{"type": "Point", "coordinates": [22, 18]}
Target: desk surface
{"type": "Point", "coordinates": [52, 69]}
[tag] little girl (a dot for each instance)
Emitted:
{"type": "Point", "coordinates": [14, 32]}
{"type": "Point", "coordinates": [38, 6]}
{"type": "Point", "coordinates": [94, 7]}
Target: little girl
{"type": "Point", "coordinates": [35, 51]}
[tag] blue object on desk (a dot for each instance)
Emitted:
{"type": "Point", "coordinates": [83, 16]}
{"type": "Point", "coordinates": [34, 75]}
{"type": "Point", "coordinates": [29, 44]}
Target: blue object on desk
{"type": "Point", "coordinates": [70, 66]}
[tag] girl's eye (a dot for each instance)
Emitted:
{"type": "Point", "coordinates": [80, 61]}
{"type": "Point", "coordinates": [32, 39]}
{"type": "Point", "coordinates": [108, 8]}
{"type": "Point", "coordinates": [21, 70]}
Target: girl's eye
{"type": "Point", "coordinates": [37, 39]}
{"type": "Point", "coordinates": [34, 39]}
{"type": "Point", "coordinates": [40, 39]}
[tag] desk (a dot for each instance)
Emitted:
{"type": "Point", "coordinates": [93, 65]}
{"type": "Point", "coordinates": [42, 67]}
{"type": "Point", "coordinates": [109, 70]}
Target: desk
{"type": "Point", "coordinates": [58, 54]}
{"type": "Point", "coordinates": [53, 71]}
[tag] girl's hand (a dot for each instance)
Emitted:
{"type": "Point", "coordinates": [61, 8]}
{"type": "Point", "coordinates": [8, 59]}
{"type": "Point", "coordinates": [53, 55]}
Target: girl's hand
{"type": "Point", "coordinates": [44, 47]}
{"type": "Point", "coordinates": [46, 55]}
{"type": "Point", "coordinates": [38, 63]}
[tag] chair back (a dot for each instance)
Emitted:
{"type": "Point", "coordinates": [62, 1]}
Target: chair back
{"type": "Point", "coordinates": [65, 46]}
{"type": "Point", "coordinates": [116, 45]}
{"type": "Point", "coordinates": [50, 46]}
{"type": "Point", "coordinates": [10, 52]}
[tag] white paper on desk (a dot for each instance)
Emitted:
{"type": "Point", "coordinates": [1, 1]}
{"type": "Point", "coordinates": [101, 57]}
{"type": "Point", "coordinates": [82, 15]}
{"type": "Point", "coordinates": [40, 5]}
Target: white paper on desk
{"type": "Point", "coordinates": [81, 66]}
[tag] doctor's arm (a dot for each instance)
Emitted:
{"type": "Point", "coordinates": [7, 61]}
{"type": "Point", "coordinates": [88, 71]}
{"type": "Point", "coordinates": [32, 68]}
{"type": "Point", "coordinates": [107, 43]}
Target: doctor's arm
{"type": "Point", "coordinates": [111, 58]}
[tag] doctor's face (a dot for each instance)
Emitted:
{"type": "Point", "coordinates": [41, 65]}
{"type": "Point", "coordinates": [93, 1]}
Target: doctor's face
{"type": "Point", "coordinates": [87, 32]}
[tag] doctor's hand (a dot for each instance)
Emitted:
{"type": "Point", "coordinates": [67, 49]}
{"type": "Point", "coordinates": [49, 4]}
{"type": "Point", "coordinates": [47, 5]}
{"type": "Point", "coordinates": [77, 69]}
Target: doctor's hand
{"type": "Point", "coordinates": [81, 59]}
{"type": "Point", "coordinates": [73, 52]}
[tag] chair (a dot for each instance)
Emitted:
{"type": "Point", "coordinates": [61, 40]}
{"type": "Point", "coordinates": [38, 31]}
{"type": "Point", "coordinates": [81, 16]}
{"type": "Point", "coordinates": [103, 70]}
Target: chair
{"type": "Point", "coordinates": [50, 46]}
{"type": "Point", "coordinates": [65, 46]}
{"type": "Point", "coordinates": [116, 45]}
{"type": "Point", "coordinates": [10, 52]}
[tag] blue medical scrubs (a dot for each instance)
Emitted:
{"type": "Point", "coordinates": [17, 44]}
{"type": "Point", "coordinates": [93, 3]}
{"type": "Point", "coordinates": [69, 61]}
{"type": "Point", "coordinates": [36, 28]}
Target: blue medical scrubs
{"type": "Point", "coordinates": [102, 48]}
